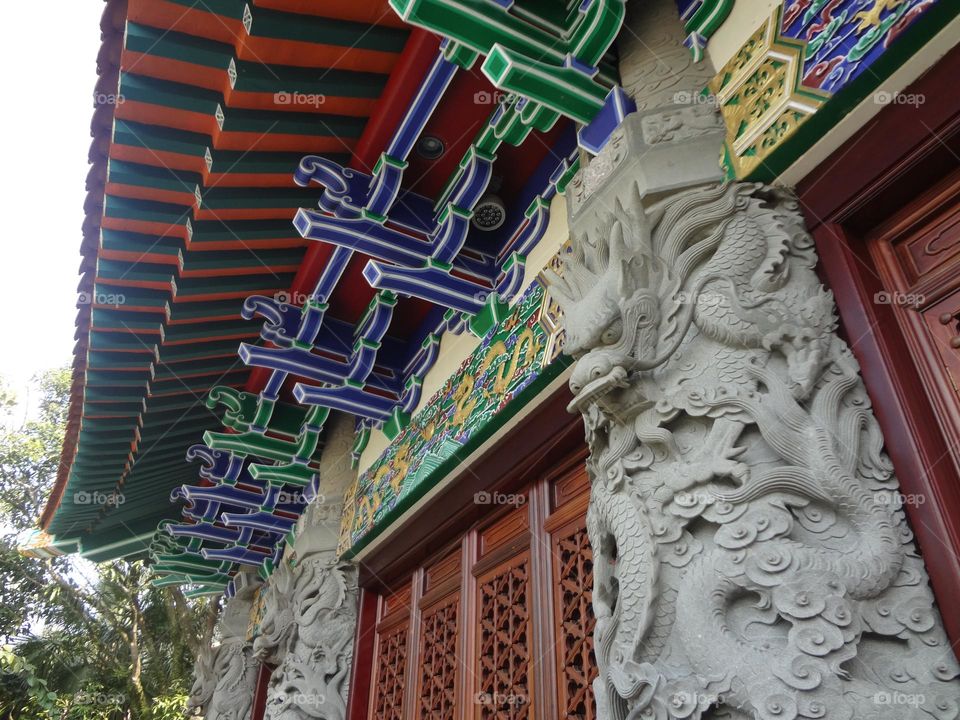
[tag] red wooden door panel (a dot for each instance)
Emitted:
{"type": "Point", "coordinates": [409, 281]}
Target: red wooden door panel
{"type": "Point", "coordinates": [917, 255]}
{"type": "Point", "coordinates": [498, 626]}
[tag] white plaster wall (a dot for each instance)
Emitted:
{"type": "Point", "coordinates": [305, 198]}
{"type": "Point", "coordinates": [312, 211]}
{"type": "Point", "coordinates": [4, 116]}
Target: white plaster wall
{"type": "Point", "coordinates": [454, 349]}
{"type": "Point", "coordinates": [743, 20]}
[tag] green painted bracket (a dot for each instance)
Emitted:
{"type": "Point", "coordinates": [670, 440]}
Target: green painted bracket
{"type": "Point", "coordinates": [278, 475]}
{"type": "Point", "coordinates": [523, 57]}
{"type": "Point", "coordinates": [239, 407]}
{"type": "Point", "coordinates": [564, 90]}
{"type": "Point", "coordinates": [493, 313]}
{"type": "Point", "coordinates": [397, 422]}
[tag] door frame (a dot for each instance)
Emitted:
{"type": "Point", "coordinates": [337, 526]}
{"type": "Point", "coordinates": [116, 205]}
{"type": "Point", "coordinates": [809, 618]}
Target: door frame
{"type": "Point", "coordinates": [905, 151]}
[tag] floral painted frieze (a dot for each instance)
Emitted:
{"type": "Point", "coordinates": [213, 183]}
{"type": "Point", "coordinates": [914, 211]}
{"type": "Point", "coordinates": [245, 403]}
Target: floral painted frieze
{"type": "Point", "coordinates": [489, 386]}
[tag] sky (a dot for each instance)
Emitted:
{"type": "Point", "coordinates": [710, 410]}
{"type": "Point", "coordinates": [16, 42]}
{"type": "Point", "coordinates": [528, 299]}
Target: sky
{"type": "Point", "coordinates": [48, 55]}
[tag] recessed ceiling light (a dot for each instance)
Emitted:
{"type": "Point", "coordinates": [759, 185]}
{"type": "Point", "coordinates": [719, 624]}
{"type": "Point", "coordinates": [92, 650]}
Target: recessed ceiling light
{"type": "Point", "coordinates": [490, 213]}
{"type": "Point", "coordinates": [430, 147]}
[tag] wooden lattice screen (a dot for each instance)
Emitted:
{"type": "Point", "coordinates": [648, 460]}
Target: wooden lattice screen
{"type": "Point", "coordinates": [498, 626]}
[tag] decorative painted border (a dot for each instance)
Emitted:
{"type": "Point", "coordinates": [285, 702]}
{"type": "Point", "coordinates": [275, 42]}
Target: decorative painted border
{"type": "Point", "coordinates": [834, 55]}
{"type": "Point", "coordinates": [514, 361]}
{"type": "Point", "coordinates": [761, 96]}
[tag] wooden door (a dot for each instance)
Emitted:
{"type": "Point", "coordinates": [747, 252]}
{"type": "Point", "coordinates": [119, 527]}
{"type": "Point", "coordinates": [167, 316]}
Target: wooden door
{"type": "Point", "coordinates": [497, 625]}
{"type": "Point", "coordinates": [917, 255]}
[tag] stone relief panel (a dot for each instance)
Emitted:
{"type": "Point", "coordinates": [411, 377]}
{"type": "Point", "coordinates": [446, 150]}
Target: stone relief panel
{"type": "Point", "coordinates": [751, 557]}
{"type": "Point", "coordinates": [307, 629]}
{"type": "Point", "coordinates": [225, 675]}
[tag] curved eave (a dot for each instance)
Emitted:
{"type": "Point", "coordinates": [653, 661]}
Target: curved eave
{"type": "Point", "coordinates": [188, 207]}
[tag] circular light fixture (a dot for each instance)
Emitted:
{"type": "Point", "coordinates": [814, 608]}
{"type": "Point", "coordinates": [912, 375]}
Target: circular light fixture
{"type": "Point", "coordinates": [430, 147]}
{"type": "Point", "coordinates": [489, 214]}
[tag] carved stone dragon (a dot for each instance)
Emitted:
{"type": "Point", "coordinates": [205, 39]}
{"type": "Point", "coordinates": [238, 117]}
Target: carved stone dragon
{"type": "Point", "coordinates": [204, 681]}
{"type": "Point", "coordinates": [226, 673]}
{"type": "Point", "coordinates": [751, 556]}
{"type": "Point", "coordinates": [307, 629]}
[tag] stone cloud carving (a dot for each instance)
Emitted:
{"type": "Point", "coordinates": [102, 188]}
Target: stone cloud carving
{"type": "Point", "coordinates": [225, 674]}
{"type": "Point", "coordinates": [307, 631]}
{"type": "Point", "coordinates": [752, 559]}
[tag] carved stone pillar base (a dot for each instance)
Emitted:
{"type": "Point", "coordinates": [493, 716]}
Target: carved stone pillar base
{"type": "Point", "coordinates": [226, 674]}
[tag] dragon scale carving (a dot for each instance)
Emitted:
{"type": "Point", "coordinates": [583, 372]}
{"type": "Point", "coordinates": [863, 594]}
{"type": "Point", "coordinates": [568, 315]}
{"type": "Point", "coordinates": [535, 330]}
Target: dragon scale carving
{"type": "Point", "coordinates": [752, 558]}
{"type": "Point", "coordinates": [307, 631]}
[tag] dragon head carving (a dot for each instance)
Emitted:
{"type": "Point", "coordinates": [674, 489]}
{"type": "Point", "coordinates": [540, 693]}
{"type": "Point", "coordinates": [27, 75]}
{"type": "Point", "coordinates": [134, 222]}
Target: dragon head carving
{"type": "Point", "coordinates": [634, 284]}
{"type": "Point", "coordinates": [623, 308]}
{"type": "Point", "coordinates": [275, 634]}
{"type": "Point", "coordinates": [612, 313]}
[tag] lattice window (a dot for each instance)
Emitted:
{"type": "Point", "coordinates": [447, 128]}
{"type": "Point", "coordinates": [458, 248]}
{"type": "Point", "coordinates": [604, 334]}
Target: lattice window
{"type": "Point", "coordinates": [575, 623]}
{"type": "Point", "coordinates": [478, 646]}
{"type": "Point", "coordinates": [504, 644]}
{"type": "Point", "coordinates": [391, 675]}
{"type": "Point", "coordinates": [438, 664]}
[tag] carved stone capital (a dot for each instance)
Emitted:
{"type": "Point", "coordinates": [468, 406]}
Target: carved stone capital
{"type": "Point", "coordinates": [661, 151]}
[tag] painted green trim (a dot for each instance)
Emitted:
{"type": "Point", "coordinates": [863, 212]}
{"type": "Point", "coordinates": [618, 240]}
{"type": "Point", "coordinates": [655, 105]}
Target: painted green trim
{"type": "Point", "coordinates": [492, 314]}
{"type": "Point", "coordinates": [397, 422]}
{"type": "Point", "coordinates": [460, 456]}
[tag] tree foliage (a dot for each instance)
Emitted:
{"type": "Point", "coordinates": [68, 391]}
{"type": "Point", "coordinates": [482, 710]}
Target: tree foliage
{"type": "Point", "coordinates": [97, 642]}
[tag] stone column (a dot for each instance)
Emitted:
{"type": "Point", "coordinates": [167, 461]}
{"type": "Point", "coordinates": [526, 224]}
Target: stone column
{"type": "Point", "coordinates": [226, 675]}
{"type": "Point", "coordinates": [310, 610]}
{"type": "Point", "coordinates": [751, 559]}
